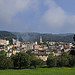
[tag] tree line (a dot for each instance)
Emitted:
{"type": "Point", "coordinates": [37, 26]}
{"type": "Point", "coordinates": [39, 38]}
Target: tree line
{"type": "Point", "coordinates": [65, 60]}
{"type": "Point", "coordinates": [19, 60]}
{"type": "Point", "coordinates": [29, 60]}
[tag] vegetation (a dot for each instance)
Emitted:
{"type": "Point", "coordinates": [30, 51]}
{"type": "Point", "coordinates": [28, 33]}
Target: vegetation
{"type": "Point", "coordinates": [28, 59]}
{"type": "Point", "coordinates": [65, 60]}
{"type": "Point", "coordinates": [31, 37]}
{"type": "Point", "coordinates": [21, 60]}
{"type": "Point", "coordinates": [37, 62]}
{"type": "Point", "coordinates": [6, 35]}
{"type": "Point", "coordinates": [72, 61]}
{"type": "Point", "coordinates": [62, 61]}
{"type": "Point", "coordinates": [35, 36]}
{"type": "Point", "coordinates": [34, 60]}
{"type": "Point", "coordinates": [72, 52]}
{"type": "Point", "coordinates": [40, 71]}
{"type": "Point", "coordinates": [5, 62]}
{"type": "Point", "coordinates": [44, 43]}
{"type": "Point", "coordinates": [2, 52]}
{"type": "Point", "coordinates": [51, 61]}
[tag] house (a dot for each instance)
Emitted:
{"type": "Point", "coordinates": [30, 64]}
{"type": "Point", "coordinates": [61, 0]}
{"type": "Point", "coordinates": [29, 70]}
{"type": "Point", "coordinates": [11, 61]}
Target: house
{"type": "Point", "coordinates": [2, 42]}
{"type": "Point", "coordinates": [36, 47]}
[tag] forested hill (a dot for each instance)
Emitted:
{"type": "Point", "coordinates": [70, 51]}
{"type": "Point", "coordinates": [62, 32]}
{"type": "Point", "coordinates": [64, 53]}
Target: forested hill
{"type": "Point", "coordinates": [6, 35]}
{"type": "Point", "coordinates": [31, 37]}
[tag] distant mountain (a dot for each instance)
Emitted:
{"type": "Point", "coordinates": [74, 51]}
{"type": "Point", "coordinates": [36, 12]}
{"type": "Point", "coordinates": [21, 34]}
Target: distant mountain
{"type": "Point", "coordinates": [32, 36]}
{"type": "Point", "coordinates": [6, 35]}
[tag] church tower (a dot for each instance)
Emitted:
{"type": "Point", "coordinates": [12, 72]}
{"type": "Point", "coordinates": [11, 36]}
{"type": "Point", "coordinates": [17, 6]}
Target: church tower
{"type": "Point", "coordinates": [40, 39]}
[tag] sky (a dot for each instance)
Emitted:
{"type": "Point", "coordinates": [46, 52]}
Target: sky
{"type": "Point", "coordinates": [43, 16]}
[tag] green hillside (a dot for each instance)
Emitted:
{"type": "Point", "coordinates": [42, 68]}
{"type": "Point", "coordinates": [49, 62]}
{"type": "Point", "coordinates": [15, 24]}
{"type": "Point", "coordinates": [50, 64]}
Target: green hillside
{"type": "Point", "coordinates": [6, 35]}
{"type": "Point", "coordinates": [31, 37]}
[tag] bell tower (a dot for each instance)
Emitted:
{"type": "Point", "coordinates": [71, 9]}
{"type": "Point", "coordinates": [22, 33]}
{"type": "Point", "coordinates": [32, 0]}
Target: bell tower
{"type": "Point", "coordinates": [40, 39]}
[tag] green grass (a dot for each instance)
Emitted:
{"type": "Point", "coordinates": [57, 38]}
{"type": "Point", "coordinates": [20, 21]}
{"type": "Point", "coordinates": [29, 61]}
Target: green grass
{"type": "Point", "coordinates": [39, 71]}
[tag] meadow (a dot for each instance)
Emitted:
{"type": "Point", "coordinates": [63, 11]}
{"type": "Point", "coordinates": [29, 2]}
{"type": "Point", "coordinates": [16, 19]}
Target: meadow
{"type": "Point", "coordinates": [39, 71]}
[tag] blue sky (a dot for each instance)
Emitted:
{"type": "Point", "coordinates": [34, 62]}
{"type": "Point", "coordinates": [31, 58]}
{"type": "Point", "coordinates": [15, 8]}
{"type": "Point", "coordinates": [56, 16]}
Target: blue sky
{"type": "Point", "coordinates": [44, 16]}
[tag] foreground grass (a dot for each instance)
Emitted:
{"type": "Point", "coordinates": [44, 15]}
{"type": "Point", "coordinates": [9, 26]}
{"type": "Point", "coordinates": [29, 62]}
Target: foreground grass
{"type": "Point", "coordinates": [39, 71]}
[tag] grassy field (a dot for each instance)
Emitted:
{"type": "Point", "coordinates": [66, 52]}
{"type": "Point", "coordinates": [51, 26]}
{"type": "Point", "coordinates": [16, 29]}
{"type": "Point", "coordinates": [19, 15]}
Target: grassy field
{"type": "Point", "coordinates": [39, 71]}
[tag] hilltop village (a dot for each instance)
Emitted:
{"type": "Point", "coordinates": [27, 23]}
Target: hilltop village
{"type": "Point", "coordinates": [41, 50]}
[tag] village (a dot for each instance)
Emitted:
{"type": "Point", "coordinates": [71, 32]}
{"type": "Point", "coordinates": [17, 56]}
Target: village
{"type": "Point", "coordinates": [41, 50]}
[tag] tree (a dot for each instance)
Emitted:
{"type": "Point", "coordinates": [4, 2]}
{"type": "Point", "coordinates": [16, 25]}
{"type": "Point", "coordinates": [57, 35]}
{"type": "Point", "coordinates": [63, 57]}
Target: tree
{"type": "Point", "coordinates": [62, 61]}
{"type": "Point", "coordinates": [71, 61]}
{"type": "Point", "coordinates": [29, 52]}
{"type": "Point", "coordinates": [40, 62]}
{"type": "Point", "coordinates": [74, 37]}
{"type": "Point", "coordinates": [34, 63]}
{"type": "Point", "coordinates": [51, 61]}
{"type": "Point", "coordinates": [21, 60]}
{"type": "Point", "coordinates": [45, 43]}
{"type": "Point", "coordinates": [65, 55]}
{"type": "Point", "coordinates": [5, 62]}
{"type": "Point", "coordinates": [2, 52]}
{"type": "Point", "coordinates": [34, 60]}
{"type": "Point", "coordinates": [37, 62]}
{"type": "Point", "coordinates": [72, 52]}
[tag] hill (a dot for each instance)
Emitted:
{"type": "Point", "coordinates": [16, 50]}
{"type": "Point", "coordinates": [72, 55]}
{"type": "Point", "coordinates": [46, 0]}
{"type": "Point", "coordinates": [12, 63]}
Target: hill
{"type": "Point", "coordinates": [6, 35]}
{"type": "Point", "coordinates": [31, 37]}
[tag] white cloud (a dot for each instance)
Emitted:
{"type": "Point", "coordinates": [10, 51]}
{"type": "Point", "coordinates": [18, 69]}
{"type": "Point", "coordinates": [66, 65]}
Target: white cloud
{"type": "Point", "coordinates": [9, 8]}
{"type": "Point", "coordinates": [56, 18]}
{"type": "Point", "coordinates": [71, 20]}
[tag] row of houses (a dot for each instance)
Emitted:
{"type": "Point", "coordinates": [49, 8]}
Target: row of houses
{"type": "Point", "coordinates": [41, 51]}
{"type": "Point", "coordinates": [4, 42]}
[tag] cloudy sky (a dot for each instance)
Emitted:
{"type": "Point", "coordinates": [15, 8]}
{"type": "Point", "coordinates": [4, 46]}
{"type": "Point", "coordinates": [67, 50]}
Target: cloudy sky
{"type": "Point", "coordinates": [44, 16]}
